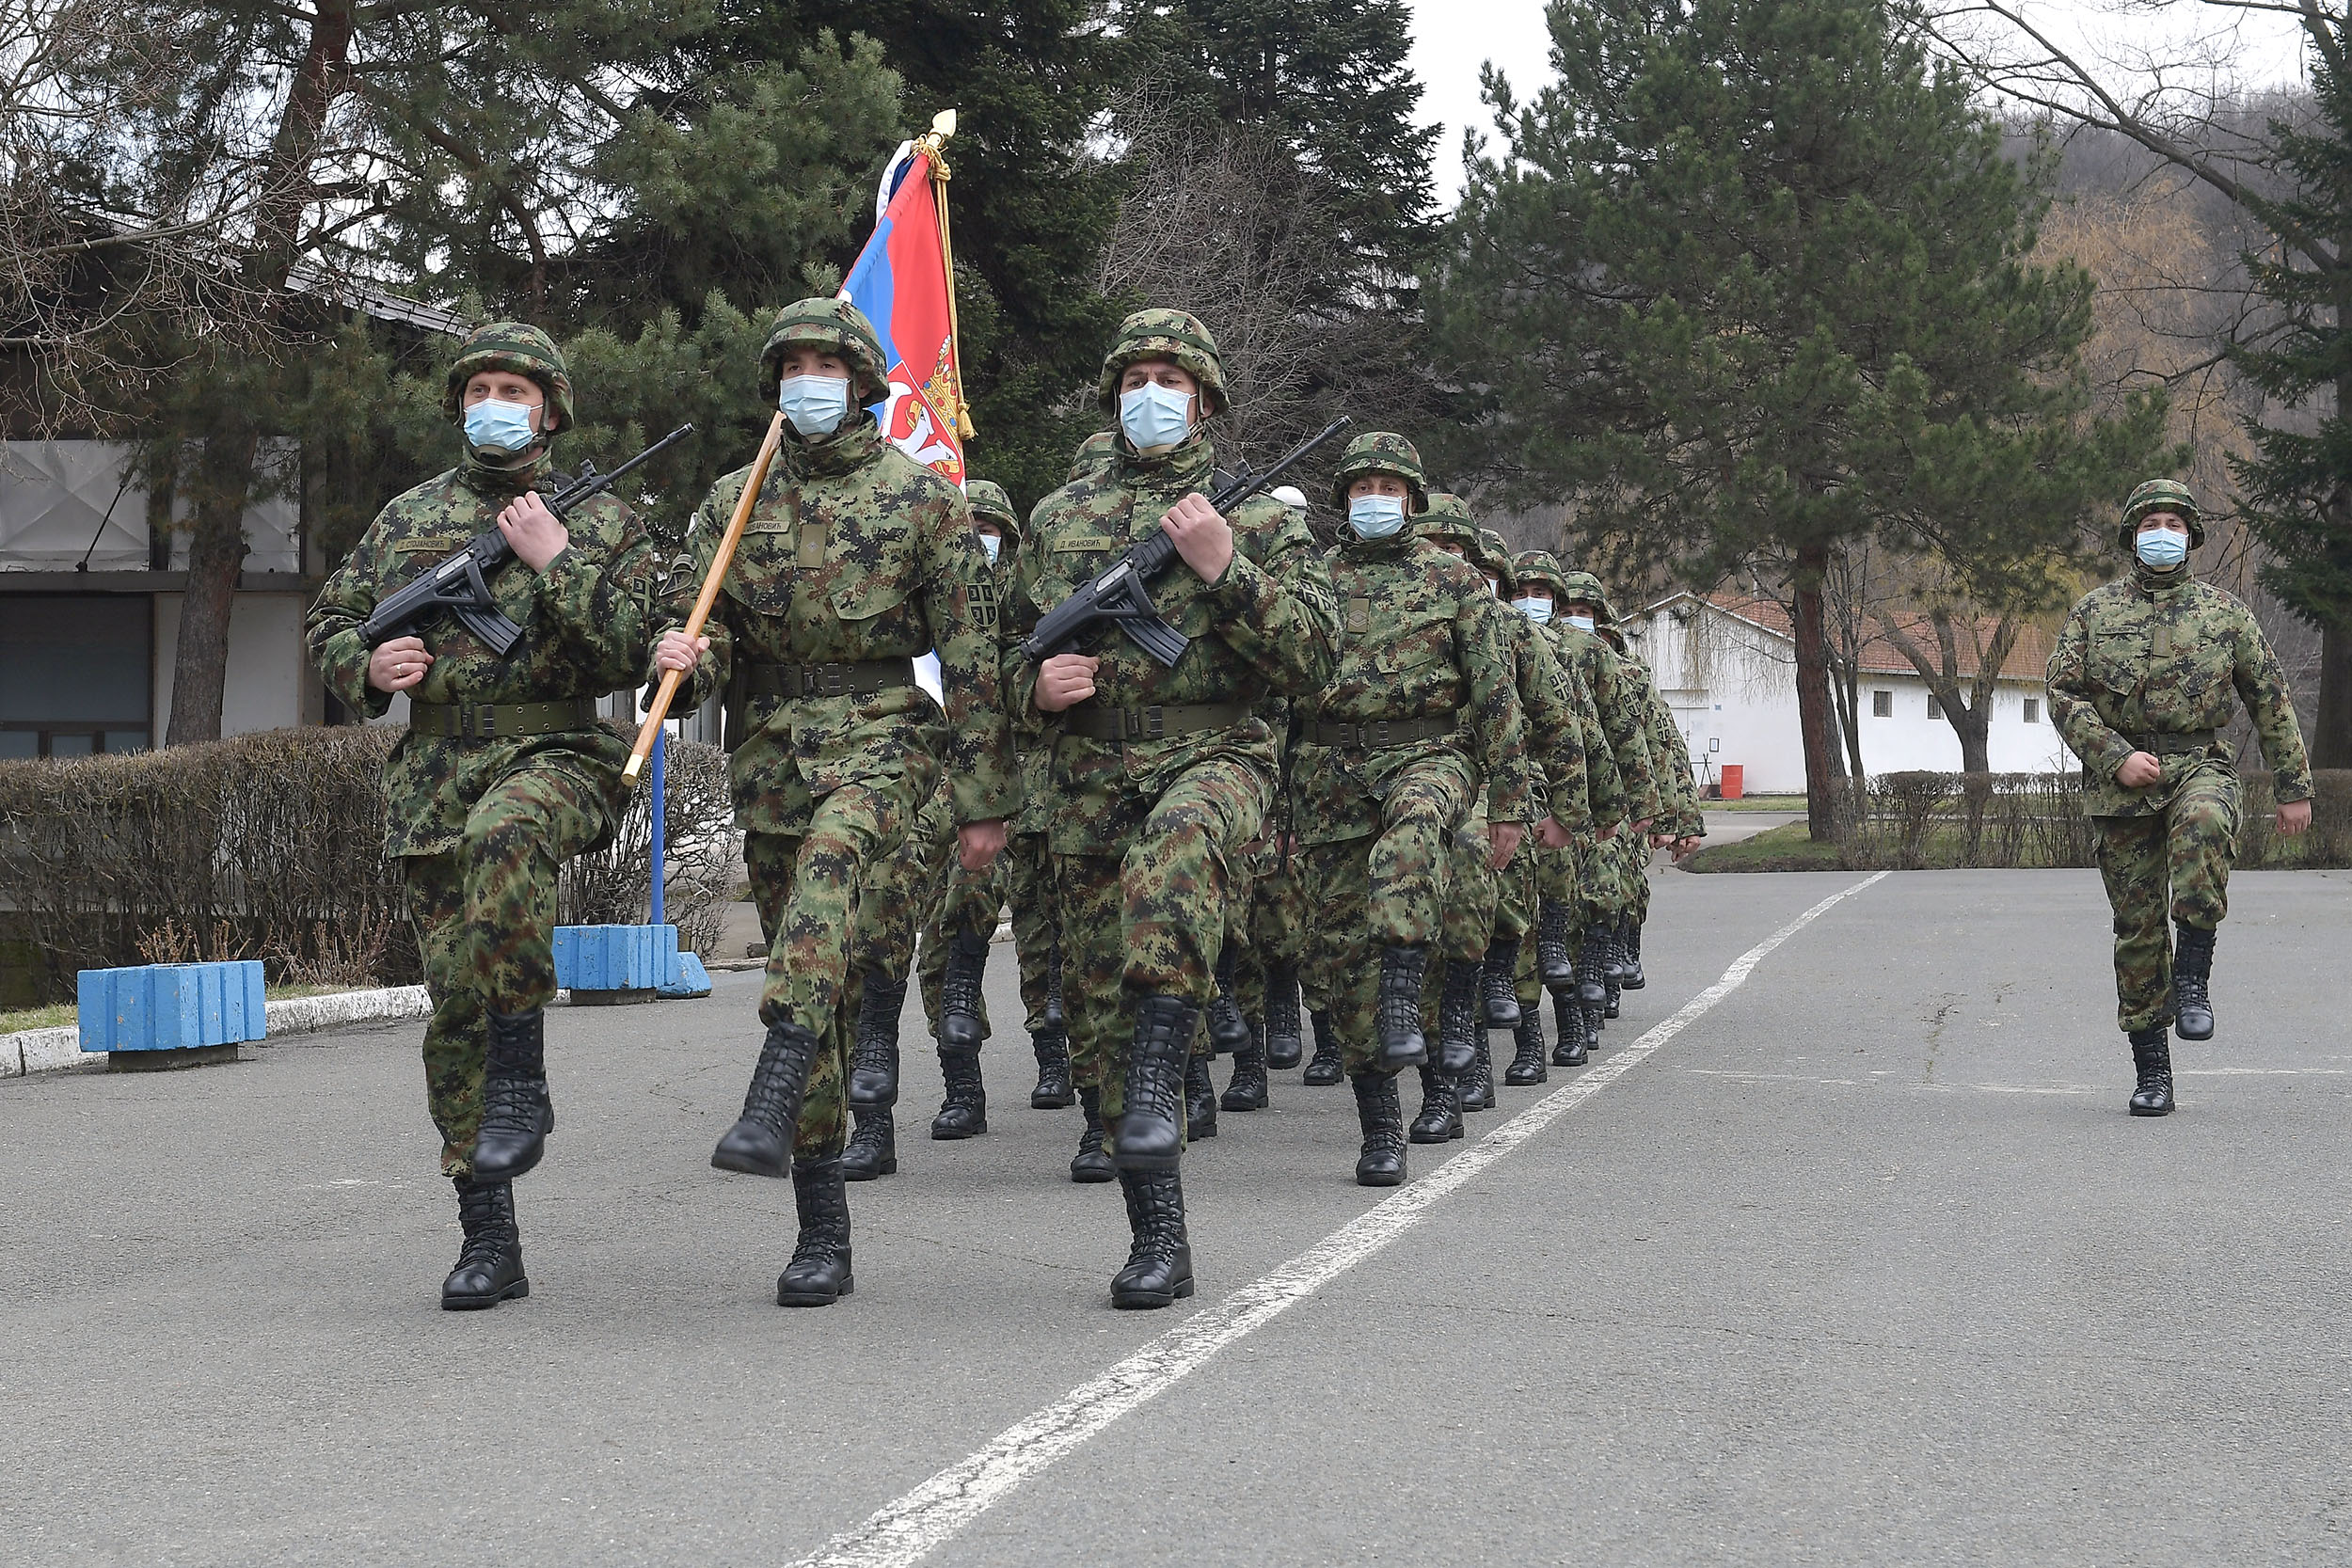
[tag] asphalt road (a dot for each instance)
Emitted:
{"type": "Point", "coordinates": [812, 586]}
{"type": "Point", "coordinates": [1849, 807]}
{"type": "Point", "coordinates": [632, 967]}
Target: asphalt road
{"type": "Point", "coordinates": [1865, 1265]}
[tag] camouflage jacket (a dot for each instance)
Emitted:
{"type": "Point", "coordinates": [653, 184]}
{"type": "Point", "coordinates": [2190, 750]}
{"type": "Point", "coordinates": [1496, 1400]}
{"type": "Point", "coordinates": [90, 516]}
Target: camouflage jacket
{"type": "Point", "coordinates": [853, 551]}
{"type": "Point", "coordinates": [1555, 732]}
{"type": "Point", "coordinates": [1678, 811]}
{"type": "Point", "coordinates": [2145, 657]}
{"type": "Point", "coordinates": [1619, 712]}
{"type": "Point", "coordinates": [1261, 631]}
{"type": "Point", "coordinates": [1420, 636]}
{"type": "Point", "coordinates": [585, 622]}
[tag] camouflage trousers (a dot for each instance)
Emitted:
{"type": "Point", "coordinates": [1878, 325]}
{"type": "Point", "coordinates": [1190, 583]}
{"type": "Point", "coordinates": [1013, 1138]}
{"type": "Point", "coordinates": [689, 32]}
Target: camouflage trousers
{"type": "Point", "coordinates": [1270, 925]}
{"type": "Point", "coordinates": [1020, 878]}
{"type": "Point", "coordinates": [1559, 875]}
{"type": "Point", "coordinates": [485, 921]}
{"type": "Point", "coordinates": [2171, 866]}
{"type": "Point", "coordinates": [808, 887]}
{"type": "Point", "coordinates": [1151, 920]}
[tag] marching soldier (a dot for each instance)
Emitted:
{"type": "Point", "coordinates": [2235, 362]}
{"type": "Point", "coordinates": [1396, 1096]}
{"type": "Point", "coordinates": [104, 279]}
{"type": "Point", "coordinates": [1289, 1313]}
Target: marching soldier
{"type": "Point", "coordinates": [856, 560]}
{"type": "Point", "coordinates": [1584, 607]}
{"type": "Point", "coordinates": [1419, 724]}
{"type": "Point", "coordinates": [2146, 672]}
{"type": "Point", "coordinates": [1159, 776]}
{"type": "Point", "coordinates": [504, 773]}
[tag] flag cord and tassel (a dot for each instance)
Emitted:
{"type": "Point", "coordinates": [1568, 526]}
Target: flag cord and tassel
{"type": "Point", "coordinates": [933, 142]}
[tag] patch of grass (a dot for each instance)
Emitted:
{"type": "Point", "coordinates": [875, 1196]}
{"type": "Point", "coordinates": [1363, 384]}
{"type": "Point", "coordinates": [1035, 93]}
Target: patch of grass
{"type": "Point", "coordinates": [57, 1015]}
{"type": "Point", "coordinates": [1758, 802]}
{"type": "Point", "coordinates": [1787, 848]}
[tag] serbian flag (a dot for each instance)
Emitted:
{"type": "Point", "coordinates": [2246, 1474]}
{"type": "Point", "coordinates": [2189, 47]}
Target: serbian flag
{"type": "Point", "coordinates": [904, 281]}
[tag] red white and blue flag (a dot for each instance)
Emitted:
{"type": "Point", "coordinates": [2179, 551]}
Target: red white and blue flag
{"type": "Point", "coordinates": [902, 281]}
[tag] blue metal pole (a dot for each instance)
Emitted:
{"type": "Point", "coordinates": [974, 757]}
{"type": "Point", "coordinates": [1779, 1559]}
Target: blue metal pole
{"type": "Point", "coordinates": [659, 797]}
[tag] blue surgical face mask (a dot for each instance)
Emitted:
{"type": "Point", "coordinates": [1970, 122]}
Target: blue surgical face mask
{"type": "Point", "coordinates": [1582, 622]}
{"type": "Point", "coordinates": [1536, 608]}
{"type": "Point", "coordinates": [989, 543]}
{"type": "Point", "coordinates": [2163, 548]}
{"type": "Point", "coordinates": [1155, 418]}
{"type": "Point", "coordinates": [1376, 517]}
{"type": "Point", "coordinates": [494, 426]}
{"type": "Point", "coordinates": [816, 405]}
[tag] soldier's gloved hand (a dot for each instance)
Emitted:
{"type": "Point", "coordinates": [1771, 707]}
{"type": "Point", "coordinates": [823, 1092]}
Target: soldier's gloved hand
{"type": "Point", "coordinates": [1551, 834]}
{"type": "Point", "coordinates": [1201, 536]}
{"type": "Point", "coordinates": [401, 662]}
{"type": "Point", "coordinates": [537, 534]}
{"type": "Point", "coordinates": [1502, 839]}
{"type": "Point", "coordinates": [979, 844]}
{"type": "Point", "coordinates": [676, 651]}
{"type": "Point", "coordinates": [2139, 770]}
{"type": "Point", "coordinates": [1065, 679]}
{"type": "Point", "coordinates": [2293, 817]}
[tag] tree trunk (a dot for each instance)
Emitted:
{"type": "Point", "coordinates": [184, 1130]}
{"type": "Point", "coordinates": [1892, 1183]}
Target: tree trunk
{"type": "Point", "coordinates": [2331, 735]}
{"type": "Point", "coordinates": [1824, 811]}
{"type": "Point", "coordinates": [1973, 727]}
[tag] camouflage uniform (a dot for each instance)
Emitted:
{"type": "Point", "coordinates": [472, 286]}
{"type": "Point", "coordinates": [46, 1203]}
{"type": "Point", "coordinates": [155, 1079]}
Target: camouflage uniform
{"type": "Point", "coordinates": [2158, 662]}
{"type": "Point", "coordinates": [480, 827]}
{"type": "Point", "coordinates": [1418, 727]}
{"type": "Point", "coordinates": [1157, 782]}
{"type": "Point", "coordinates": [855, 560]}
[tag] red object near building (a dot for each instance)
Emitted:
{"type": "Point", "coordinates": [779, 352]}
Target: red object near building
{"type": "Point", "coordinates": [1735, 779]}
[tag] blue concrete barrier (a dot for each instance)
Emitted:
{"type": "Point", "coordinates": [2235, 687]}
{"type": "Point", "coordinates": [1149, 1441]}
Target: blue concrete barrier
{"type": "Point", "coordinates": [686, 978]}
{"type": "Point", "coordinates": [612, 957]}
{"type": "Point", "coordinates": [171, 1006]}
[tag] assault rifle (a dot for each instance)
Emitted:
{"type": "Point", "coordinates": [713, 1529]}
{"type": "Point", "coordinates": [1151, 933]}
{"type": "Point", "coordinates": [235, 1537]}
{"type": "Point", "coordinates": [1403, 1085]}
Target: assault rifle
{"type": "Point", "coordinates": [1121, 595]}
{"type": "Point", "coordinates": [460, 584]}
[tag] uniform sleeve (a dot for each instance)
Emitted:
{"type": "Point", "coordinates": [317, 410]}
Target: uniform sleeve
{"type": "Point", "coordinates": [1678, 793]}
{"type": "Point", "coordinates": [602, 603]}
{"type": "Point", "coordinates": [1280, 614]}
{"type": "Point", "coordinates": [2087, 734]}
{"type": "Point", "coordinates": [674, 602]}
{"type": "Point", "coordinates": [1554, 737]}
{"type": "Point", "coordinates": [1017, 616]}
{"type": "Point", "coordinates": [1497, 724]}
{"type": "Point", "coordinates": [1621, 722]}
{"type": "Point", "coordinates": [2262, 684]}
{"type": "Point", "coordinates": [332, 630]}
{"type": "Point", "coordinates": [959, 607]}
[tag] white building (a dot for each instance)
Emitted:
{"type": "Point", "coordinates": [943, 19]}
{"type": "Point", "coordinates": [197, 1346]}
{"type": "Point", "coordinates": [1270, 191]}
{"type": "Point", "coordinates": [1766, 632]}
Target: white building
{"type": "Point", "coordinates": [1727, 667]}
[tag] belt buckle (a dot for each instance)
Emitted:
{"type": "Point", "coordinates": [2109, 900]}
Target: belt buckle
{"type": "Point", "coordinates": [485, 724]}
{"type": "Point", "coordinates": [833, 679]}
{"type": "Point", "coordinates": [1154, 722]}
{"type": "Point", "coordinates": [1380, 733]}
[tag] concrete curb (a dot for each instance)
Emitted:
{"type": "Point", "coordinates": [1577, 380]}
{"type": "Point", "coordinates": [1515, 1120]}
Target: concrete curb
{"type": "Point", "coordinates": [32, 1051]}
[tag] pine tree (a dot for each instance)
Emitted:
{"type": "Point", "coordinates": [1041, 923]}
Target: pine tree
{"type": "Point", "coordinates": [1750, 281]}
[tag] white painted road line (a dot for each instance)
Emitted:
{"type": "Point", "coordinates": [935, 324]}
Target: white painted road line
{"type": "Point", "coordinates": [903, 1531]}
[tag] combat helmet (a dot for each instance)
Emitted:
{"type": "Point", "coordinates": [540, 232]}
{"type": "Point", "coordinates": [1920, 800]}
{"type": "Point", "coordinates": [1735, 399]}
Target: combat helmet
{"type": "Point", "coordinates": [1499, 561]}
{"type": "Point", "coordinates": [1586, 587]}
{"type": "Point", "coordinates": [1529, 568]}
{"type": "Point", "coordinates": [1098, 450]}
{"type": "Point", "coordinates": [522, 349]}
{"type": "Point", "coordinates": [1448, 517]}
{"type": "Point", "coordinates": [1383, 451]}
{"type": "Point", "coordinates": [1171, 334]}
{"type": "Point", "coordinates": [987, 500]}
{"type": "Point", "coordinates": [837, 326]}
{"type": "Point", "coordinates": [2160, 495]}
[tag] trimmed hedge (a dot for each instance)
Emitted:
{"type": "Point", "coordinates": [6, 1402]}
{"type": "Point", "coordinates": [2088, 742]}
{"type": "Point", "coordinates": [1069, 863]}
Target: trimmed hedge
{"type": "Point", "coordinates": [271, 847]}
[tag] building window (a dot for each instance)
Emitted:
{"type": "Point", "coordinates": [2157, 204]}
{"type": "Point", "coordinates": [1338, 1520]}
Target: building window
{"type": "Point", "coordinates": [1935, 710]}
{"type": "Point", "coordinates": [1881, 704]}
{"type": "Point", "coordinates": [2033, 710]}
{"type": "Point", "coordinates": [74, 673]}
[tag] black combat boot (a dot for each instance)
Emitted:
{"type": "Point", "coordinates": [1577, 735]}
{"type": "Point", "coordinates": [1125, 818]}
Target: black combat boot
{"type": "Point", "coordinates": [2192, 983]}
{"type": "Point", "coordinates": [1053, 1092]}
{"type": "Point", "coordinates": [964, 1114]}
{"type": "Point", "coordinates": [1246, 1089]}
{"type": "Point", "coordinates": [1459, 1027]}
{"type": "Point", "coordinates": [1502, 996]}
{"type": "Point", "coordinates": [1325, 1067]}
{"type": "Point", "coordinates": [1091, 1164]}
{"type": "Point", "coordinates": [1440, 1116]}
{"type": "Point", "coordinates": [1612, 968]}
{"type": "Point", "coordinates": [1283, 1044]}
{"type": "Point", "coordinates": [818, 1275]}
{"type": "Point", "coordinates": [1551, 946]}
{"type": "Point", "coordinates": [517, 1113]}
{"type": "Point", "coordinates": [760, 1142]}
{"type": "Point", "coordinates": [2152, 1055]}
{"type": "Point", "coordinates": [1527, 1058]}
{"type": "Point", "coordinates": [490, 1265]}
{"type": "Point", "coordinates": [1199, 1100]}
{"type": "Point", "coordinates": [1568, 1017]}
{"type": "Point", "coordinates": [1159, 1261]}
{"type": "Point", "coordinates": [1590, 990]}
{"type": "Point", "coordinates": [1151, 1134]}
{"type": "Point", "coordinates": [874, 1064]}
{"type": "Point", "coordinates": [1399, 1015]}
{"type": "Point", "coordinates": [1475, 1089]}
{"type": "Point", "coordinates": [1056, 1018]}
{"type": "Point", "coordinates": [873, 1146]}
{"type": "Point", "coordinates": [1227, 1031]}
{"type": "Point", "coordinates": [1630, 937]}
{"type": "Point", "coordinates": [960, 1029]}
{"type": "Point", "coordinates": [1382, 1161]}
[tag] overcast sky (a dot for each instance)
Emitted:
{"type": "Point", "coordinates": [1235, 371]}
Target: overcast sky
{"type": "Point", "coordinates": [1451, 39]}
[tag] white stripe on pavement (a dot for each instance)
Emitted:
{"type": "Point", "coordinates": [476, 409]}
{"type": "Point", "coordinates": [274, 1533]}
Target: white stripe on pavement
{"type": "Point", "coordinates": [903, 1531]}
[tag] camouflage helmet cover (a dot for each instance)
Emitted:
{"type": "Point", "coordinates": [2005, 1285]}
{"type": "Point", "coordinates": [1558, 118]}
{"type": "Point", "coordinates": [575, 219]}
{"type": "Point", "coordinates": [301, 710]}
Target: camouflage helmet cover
{"type": "Point", "coordinates": [1498, 559]}
{"type": "Point", "coordinates": [522, 349]}
{"type": "Point", "coordinates": [1529, 568]}
{"type": "Point", "coordinates": [1095, 451]}
{"type": "Point", "coordinates": [1383, 451]}
{"type": "Point", "coordinates": [1448, 517]}
{"type": "Point", "coordinates": [2160, 495]}
{"type": "Point", "coordinates": [1171, 334]}
{"type": "Point", "coordinates": [989, 503]}
{"type": "Point", "coordinates": [1586, 587]}
{"type": "Point", "coordinates": [837, 326]}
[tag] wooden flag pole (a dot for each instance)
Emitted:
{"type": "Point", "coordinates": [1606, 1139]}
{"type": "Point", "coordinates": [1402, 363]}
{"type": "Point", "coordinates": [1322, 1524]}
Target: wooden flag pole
{"type": "Point", "coordinates": [720, 562]}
